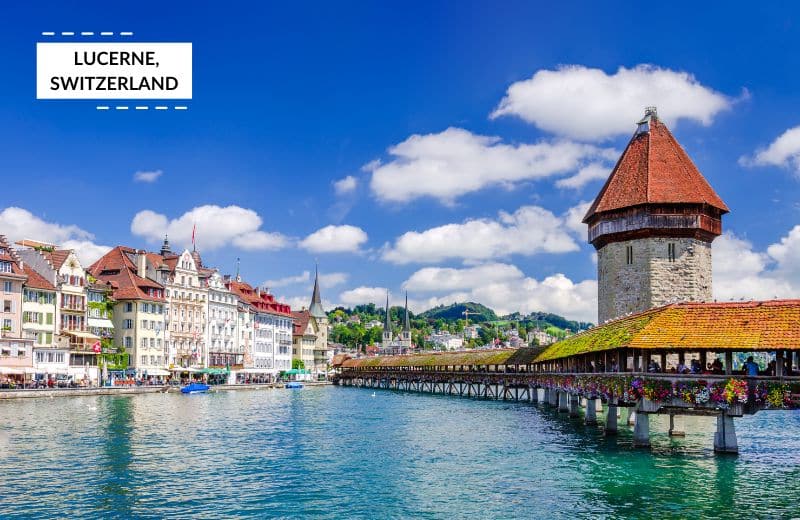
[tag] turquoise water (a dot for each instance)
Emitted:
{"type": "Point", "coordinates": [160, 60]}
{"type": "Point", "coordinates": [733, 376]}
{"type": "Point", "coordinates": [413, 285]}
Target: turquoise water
{"type": "Point", "coordinates": [341, 453]}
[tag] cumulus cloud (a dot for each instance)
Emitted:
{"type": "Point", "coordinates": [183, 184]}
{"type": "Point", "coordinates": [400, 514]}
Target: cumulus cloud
{"type": "Point", "coordinates": [216, 227]}
{"type": "Point", "coordinates": [590, 172]}
{"type": "Point", "coordinates": [573, 219]}
{"type": "Point", "coordinates": [147, 176]}
{"type": "Point", "coordinates": [335, 239]}
{"type": "Point", "coordinates": [527, 231]}
{"type": "Point", "coordinates": [455, 162]}
{"type": "Point", "coordinates": [363, 294]}
{"type": "Point", "coordinates": [18, 223]}
{"type": "Point", "coordinates": [505, 288]}
{"type": "Point", "coordinates": [588, 104]}
{"type": "Point", "coordinates": [740, 272]}
{"type": "Point", "coordinates": [783, 151]}
{"type": "Point", "coordinates": [325, 280]}
{"type": "Point", "coordinates": [346, 185]}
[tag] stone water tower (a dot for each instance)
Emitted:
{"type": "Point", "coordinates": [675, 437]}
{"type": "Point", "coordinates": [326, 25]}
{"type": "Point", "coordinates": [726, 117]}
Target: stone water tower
{"type": "Point", "coordinates": [652, 225]}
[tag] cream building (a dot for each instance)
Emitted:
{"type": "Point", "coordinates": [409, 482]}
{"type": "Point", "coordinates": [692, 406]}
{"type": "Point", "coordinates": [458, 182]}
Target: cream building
{"type": "Point", "coordinates": [138, 310]}
{"type": "Point", "coordinates": [15, 350]}
{"type": "Point", "coordinates": [224, 349]}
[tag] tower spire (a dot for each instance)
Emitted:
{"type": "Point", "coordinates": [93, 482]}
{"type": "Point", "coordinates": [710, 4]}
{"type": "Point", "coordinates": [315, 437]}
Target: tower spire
{"type": "Point", "coordinates": [165, 249]}
{"type": "Point", "coordinates": [388, 325]}
{"type": "Point", "coordinates": [407, 322]}
{"type": "Point", "coordinates": [315, 308]}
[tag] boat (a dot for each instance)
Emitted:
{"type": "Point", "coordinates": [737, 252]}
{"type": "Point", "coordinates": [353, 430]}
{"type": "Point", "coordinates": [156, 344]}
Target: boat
{"type": "Point", "coordinates": [294, 384]}
{"type": "Point", "coordinates": [195, 388]}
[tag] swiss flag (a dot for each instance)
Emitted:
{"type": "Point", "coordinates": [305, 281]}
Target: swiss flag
{"type": "Point", "coordinates": [96, 347]}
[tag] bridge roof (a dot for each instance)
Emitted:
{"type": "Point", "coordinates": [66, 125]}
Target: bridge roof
{"type": "Point", "coordinates": [743, 326]}
{"type": "Point", "coordinates": [468, 357]}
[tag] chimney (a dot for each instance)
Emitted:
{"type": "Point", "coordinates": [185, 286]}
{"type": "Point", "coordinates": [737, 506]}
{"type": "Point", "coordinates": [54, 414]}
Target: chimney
{"type": "Point", "coordinates": [141, 265]}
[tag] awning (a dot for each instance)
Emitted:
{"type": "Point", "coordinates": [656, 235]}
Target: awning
{"type": "Point", "coordinates": [11, 371]}
{"type": "Point", "coordinates": [81, 334]}
{"type": "Point", "coordinates": [101, 323]}
{"type": "Point", "coordinates": [156, 372]}
{"type": "Point", "coordinates": [184, 369]}
{"type": "Point", "coordinates": [214, 371]}
{"type": "Point", "coordinates": [257, 371]}
{"type": "Point", "coordinates": [295, 371]}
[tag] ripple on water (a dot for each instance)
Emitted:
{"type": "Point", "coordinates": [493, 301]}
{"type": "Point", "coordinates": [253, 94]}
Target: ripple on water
{"type": "Point", "coordinates": [338, 452]}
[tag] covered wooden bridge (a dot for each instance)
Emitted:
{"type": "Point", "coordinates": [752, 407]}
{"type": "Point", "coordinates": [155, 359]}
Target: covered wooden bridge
{"type": "Point", "coordinates": [678, 359]}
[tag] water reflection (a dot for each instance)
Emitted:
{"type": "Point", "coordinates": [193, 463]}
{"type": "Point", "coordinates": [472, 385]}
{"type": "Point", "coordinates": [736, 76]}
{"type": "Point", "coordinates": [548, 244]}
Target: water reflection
{"type": "Point", "coordinates": [117, 497]}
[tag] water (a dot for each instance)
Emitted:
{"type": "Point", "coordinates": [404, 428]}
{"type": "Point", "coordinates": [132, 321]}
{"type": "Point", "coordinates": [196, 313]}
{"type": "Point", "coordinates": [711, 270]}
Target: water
{"type": "Point", "coordinates": [341, 453]}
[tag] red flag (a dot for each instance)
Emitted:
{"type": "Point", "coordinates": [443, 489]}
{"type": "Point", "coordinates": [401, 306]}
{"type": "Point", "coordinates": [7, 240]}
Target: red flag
{"type": "Point", "coordinates": [96, 347]}
{"type": "Point", "coordinates": [194, 226]}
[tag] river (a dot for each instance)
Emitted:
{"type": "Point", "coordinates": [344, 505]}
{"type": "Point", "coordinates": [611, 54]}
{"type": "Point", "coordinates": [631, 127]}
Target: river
{"type": "Point", "coordinates": [332, 452]}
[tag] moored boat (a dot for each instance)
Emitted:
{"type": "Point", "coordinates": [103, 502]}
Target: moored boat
{"type": "Point", "coordinates": [294, 384]}
{"type": "Point", "coordinates": [195, 388]}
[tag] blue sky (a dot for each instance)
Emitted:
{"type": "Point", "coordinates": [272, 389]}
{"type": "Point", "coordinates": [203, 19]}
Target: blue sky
{"type": "Point", "coordinates": [455, 132]}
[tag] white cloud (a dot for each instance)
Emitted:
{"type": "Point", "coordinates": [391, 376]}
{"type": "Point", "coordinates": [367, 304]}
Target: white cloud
{"type": "Point", "coordinates": [305, 276]}
{"type": "Point", "coordinates": [441, 279]}
{"type": "Point", "coordinates": [147, 176]}
{"type": "Point", "coordinates": [743, 273]}
{"type": "Point", "coordinates": [588, 104]}
{"type": "Point", "coordinates": [216, 227]}
{"type": "Point", "coordinates": [527, 231]}
{"type": "Point", "coordinates": [573, 219]}
{"type": "Point", "coordinates": [783, 151]}
{"type": "Point", "coordinates": [326, 280]}
{"type": "Point", "coordinates": [346, 185]}
{"type": "Point", "coordinates": [18, 223]}
{"type": "Point", "coordinates": [590, 172]}
{"type": "Point", "coordinates": [455, 162]}
{"type": "Point", "coordinates": [362, 295]}
{"type": "Point", "coordinates": [335, 239]}
{"type": "Point", "coordinates": [504, 288]}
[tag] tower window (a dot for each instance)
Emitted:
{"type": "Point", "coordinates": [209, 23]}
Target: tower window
{"type": "Point", "coordinates": [671, 251]}
{"type": "Point", "coordinates": [629, 255]}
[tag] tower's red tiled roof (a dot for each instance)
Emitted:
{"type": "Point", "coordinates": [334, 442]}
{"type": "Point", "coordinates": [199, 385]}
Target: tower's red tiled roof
{"type": "Point", "coordinates": [300, 322]}
{"type": "Point", "coordinates": [654, 169]}
{"type": "Point", "coordinates": [57, 257]}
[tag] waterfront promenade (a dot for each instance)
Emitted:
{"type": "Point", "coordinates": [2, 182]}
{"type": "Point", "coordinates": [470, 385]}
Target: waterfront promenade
{"type": "Point", "coordinates": [130, 390]}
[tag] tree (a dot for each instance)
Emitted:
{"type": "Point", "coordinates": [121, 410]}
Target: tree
{"type": "Point", "coordinates": [298, 364]}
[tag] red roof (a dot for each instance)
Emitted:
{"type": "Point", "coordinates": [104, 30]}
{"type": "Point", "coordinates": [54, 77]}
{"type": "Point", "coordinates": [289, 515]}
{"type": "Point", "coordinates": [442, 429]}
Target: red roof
{"type": "Point", "coordinates": [117, 268]}
{"type": "Point", "coordinates": [300, 322]}
{"type": "Point", "coordinates": [260, 301]}
{"type": "Point", "coordinates": [8, 254]}
{"type": "Point", "coordinates": [37, 281]}
{"type": "Point", "coordinates": [56, 257]}
{"type": "Point", "coordinates": [654, 169]}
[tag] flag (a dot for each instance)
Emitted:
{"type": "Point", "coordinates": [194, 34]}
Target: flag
{"type": "Point", "coordinates": [96, 347]}
{"type": "Point", "coordinates": [194, 227]}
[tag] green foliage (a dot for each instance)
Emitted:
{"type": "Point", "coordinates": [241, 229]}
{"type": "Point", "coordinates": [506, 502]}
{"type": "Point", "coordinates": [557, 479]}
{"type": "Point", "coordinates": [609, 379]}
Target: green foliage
{"type": "Point", "coordinates": [298, 364]}
{"type": "Point", "coordinates": [455, 312]}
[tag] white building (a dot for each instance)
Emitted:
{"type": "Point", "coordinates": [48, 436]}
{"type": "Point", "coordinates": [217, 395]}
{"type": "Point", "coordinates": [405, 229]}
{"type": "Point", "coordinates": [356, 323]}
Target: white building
{"type": "Point", "coordinates": [222, 332]}
{"type": "Point", "coordinates": [446, 341]}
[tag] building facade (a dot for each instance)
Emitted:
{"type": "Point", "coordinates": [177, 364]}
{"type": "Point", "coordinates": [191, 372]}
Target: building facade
{"type": "Point", "coordinates": [16, 350]}
{"type": "Point", "coordinates": [652, 226]}
{"type": "Point", "coordinates": [224, 349]}
{"type": "Point", "coordinates": [138, 309]}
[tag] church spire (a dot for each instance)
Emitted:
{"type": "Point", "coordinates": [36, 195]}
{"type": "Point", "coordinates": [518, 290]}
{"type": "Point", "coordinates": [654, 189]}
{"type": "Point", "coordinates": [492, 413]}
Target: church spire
{"type": "Point", "coordinates": [315, 308]}
{"type": "Point", "coordinates": [407, 322]}
{"type": "Point", "coordinates": [388, 325]}
{"type": "Point", "coordinates": [165, 249]}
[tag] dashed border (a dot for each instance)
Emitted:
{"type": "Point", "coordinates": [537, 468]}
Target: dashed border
{"type": "Point", "coordinates": [86, 33]}
{"type": "Point", "coordinates": [141, 107]}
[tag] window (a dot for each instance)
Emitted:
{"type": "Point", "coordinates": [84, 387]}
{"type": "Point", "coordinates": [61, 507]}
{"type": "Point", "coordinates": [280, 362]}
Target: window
{"type": "Point", "coordinates": [7, 306]}
{"type": "Point", "coordinates": [128, 342]}
{"type": "Point", "coordinates": [7, 324]}
{"type": "Point", "coordinates": [629, 255]}
{"type": "Point", "coordinates": [144, 360]}
{"type": "Point", "coordinates": [49, 320]}
{"type": "Point", "coordinates": [144, 342]}
{"type": "Point", "coordinates": [5, 267]}
{"type": "Point", "coordinates": [671, 251]}
{"type": "Point", "coordinates": [128, 307]}
{"type": "Point", "coordinates": [8, 286]}
{"type": "Point", "coordinates": [127, 324]}
{"type": "Point", "coordinates": [144, 324]}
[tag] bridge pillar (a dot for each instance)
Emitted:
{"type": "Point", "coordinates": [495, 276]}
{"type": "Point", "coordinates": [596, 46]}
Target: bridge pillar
{"type": "Point", "coordinates": [675, 431]}
{"type": "Point", "coordinates": [591, 411]}
{"type": "Point", "coordinates": [725, 437]}
{"type": "Point", "coordinates": [641, 431]}
{"type": "Point", "coordinates": [563, 402]}
{"type": "Point", "coordinates": [631, 416]}
{"type": "Point", "coordinates": [574, 410]}
{"type": "Point", "coordinates": [611, 418]}
{"type": "Point", "coordinates": [583, 402]}
{"type": "Point", "coordinates": [599, 405]}
{"type": "Point", "coordinates": [534, 394]}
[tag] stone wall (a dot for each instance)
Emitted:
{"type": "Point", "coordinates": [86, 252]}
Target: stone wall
{"type": "Point", "coordinates": [651, 280]}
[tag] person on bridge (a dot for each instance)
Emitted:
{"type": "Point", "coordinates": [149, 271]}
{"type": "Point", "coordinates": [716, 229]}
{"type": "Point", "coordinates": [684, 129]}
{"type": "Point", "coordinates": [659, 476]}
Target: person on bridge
{"type": "Point", "coordinates": [751, 367]}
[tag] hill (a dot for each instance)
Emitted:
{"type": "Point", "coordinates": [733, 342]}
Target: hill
{"type": "Point", "coordinates": [477, 313]}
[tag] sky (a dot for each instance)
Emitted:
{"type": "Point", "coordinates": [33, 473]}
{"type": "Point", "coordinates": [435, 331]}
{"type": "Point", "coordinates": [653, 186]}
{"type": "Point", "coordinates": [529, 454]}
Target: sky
{"type": "Point", "coordinates": [447, 149]}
